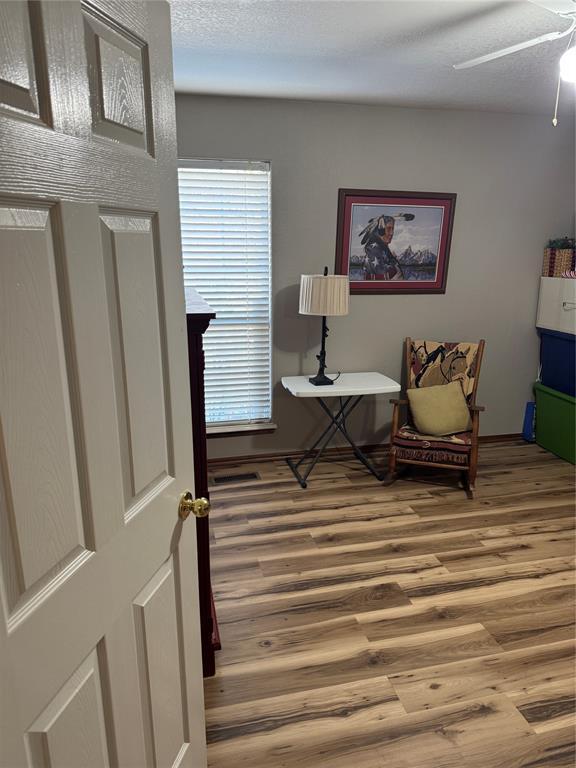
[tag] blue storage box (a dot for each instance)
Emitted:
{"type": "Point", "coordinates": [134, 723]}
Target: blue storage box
{"type": "Point", "coordinates": [558, 361]}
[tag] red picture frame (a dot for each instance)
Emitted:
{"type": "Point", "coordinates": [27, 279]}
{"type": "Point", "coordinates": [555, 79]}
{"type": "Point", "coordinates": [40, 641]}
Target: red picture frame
{"type": "Point", "coordinates": [394, 242]}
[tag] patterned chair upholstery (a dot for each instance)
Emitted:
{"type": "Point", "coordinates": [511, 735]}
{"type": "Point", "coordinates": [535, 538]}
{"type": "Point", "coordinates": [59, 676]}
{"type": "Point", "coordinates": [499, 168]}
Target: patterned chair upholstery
{"type": "Point", "coordinates": [434, 363]}
{"type": "Point", "coordinates": [448, 449]}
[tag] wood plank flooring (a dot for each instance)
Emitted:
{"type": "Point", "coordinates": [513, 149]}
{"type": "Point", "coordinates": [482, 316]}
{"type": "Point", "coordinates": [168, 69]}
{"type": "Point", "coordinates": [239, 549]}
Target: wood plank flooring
{"type": "Point", "coordinates": [399, 627]}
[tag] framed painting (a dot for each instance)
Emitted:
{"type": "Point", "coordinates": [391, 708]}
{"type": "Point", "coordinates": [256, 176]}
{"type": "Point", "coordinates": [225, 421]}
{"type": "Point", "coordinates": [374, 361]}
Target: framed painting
{"type": "Point", "coordinates": [394, 242]}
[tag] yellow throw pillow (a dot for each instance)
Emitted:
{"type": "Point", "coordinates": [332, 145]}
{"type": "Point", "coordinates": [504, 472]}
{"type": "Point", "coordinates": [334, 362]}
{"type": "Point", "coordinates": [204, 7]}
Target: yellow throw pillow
{"type": "Point", "coordinates": [441, 410]}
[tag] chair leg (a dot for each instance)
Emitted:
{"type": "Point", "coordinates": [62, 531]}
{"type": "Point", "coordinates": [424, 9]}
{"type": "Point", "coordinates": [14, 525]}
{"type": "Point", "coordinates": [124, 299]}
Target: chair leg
{"type": "Point", "coordinates": [472, 471]}
{"type": "Point", "coordinates": [473, 465]}
{"type": "Point", "coordinates": [395, 472]}
{"type": "Point", "coordinates": [469, 480]}
{"type": "Point", "coordinates": [392, 475]}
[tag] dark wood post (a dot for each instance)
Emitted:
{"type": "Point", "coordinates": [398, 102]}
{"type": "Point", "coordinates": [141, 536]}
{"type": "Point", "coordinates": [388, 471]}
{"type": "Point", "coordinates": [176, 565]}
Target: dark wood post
{"type": "Point", "coordinates": [198, 316]}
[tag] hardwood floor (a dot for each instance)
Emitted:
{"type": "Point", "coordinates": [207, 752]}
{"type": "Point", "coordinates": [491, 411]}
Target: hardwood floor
{"type": "Point", "coordinates": [399, 627]}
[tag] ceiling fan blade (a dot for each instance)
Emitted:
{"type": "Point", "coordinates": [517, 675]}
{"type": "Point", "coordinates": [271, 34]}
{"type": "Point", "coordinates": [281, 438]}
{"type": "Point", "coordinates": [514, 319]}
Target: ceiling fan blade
{"type": "Point", "coordinates": [556, 6]}
{"type": "Point", "coordinates": [515, 48]}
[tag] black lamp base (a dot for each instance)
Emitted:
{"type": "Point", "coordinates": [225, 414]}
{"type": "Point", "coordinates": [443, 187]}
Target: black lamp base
{"type": "Point", "coordinates": [320, 380]}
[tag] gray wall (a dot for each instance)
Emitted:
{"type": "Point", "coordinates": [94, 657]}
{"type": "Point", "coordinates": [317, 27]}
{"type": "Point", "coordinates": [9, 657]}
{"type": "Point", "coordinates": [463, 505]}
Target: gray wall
{"type": "Point", "coordinates": [514, 177]}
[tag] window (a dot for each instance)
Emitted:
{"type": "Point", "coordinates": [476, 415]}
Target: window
{"type": "Point", "coordinates": [225, 220]}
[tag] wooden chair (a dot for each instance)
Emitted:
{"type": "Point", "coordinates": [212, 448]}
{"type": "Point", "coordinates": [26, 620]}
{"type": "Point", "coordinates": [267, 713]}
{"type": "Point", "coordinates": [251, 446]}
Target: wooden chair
{"type": "Point", "coordinates": [430, 363]}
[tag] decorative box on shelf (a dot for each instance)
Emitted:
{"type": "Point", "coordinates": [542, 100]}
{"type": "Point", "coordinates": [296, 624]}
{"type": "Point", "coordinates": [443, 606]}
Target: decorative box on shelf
{"type": "Point", "coordinates": [557, 261]}
{"type": "Point", "coordinates": [559, 256]}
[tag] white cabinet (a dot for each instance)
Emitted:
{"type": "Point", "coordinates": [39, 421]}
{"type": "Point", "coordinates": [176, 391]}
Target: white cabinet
{"type": "Point", "coordinates": [557, 304]}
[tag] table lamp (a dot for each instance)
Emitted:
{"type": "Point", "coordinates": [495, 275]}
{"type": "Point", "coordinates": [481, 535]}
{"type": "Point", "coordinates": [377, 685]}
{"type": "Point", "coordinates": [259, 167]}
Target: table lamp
{"type": "Point", "coordinates": [325, 295]}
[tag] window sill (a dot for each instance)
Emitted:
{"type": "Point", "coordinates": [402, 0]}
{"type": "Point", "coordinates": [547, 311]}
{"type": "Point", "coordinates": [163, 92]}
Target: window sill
{"type": "Point", "coordinates": [237, 430]}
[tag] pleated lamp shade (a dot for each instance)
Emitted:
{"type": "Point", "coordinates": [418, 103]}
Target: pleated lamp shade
{"type": "Point", "coordinates": [326, 295]}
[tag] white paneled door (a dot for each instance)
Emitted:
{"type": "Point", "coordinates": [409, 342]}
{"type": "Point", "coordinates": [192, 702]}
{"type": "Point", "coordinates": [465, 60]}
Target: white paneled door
{"type": "Point", "coordinates": [99, 633]}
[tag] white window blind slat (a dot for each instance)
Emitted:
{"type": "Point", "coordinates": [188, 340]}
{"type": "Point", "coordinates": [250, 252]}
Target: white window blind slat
{"type": "Point", "coordinates": [225, 221]}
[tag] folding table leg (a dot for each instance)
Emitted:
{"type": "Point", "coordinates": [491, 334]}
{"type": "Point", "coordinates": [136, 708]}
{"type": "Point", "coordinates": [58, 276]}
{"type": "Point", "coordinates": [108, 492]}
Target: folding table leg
{"type": "Point", "coordinates": [337, 424]}
{"type": "Point", "coordinates": [341, 426]}
{"type": "Point", "coordinates": [326, 437]}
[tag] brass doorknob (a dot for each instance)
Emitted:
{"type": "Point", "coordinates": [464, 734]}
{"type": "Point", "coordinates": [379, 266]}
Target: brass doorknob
{"type": "Point", "coordinates": [198, 507]}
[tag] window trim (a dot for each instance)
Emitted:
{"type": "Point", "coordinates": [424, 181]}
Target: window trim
{"type": "Point", "coordinates": [237, 430]}
{"type": "Point", "coordinates": [229, 429]}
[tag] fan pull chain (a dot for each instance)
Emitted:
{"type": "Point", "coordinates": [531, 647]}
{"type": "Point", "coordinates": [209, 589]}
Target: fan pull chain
{"type": "Point", "coordinates": [555, 118]}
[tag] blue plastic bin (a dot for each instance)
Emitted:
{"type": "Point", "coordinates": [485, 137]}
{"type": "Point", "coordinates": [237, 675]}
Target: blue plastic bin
{"type": "Point", "coordinates": [558, 361]}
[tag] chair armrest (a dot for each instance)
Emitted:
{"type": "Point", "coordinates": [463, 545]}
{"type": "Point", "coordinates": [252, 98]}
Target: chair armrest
{"type": "Point", "coordinates": [395, 401]}
{"type": "Point", "coordinates": [477, 408]}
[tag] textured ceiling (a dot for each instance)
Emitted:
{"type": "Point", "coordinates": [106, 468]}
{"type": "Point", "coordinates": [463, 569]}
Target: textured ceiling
{"type": "Point", "coordinates": [372, 51]}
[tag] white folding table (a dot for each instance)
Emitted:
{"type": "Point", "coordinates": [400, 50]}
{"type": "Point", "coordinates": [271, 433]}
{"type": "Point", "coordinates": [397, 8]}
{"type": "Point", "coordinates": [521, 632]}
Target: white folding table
{"type": "Point", "coordinates": [350, 388]}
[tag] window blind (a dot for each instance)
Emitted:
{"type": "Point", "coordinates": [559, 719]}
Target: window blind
{"type": "Point", "coordinates": [225, 221]}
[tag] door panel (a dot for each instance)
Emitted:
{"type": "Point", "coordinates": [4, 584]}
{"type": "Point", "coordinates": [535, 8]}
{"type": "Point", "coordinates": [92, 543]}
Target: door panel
{"type": "Point", "coordinates": [18, 82]}
{"type": "Point", "coordinates": [126, 713]}
{"type": "Point", "coordinates": [71, 731]}
{"type": "Point", "coordinates": [134, 302]}
{"type": "Point", "coordinates": [119, 77]}
{"type": "Point", "coordinates": [17, 67]}
{"type": "Point", "coordinates": [99, 629]}
{"type": "Point", "coordinates": [91, 365]}
{"type": "Point", "coordinates": [41, 507]}
{"type": "Point", "coordinates": [159, 649]}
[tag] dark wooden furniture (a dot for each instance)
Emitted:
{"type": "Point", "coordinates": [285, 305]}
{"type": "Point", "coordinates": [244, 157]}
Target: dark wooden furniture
{"type": "Point", "coordinates": [430, 363]}
{"type": "Point", "coordinates": [198, 316]}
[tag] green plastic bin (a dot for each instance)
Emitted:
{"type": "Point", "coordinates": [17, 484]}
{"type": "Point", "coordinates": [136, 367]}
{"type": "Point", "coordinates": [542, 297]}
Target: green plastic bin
{"type": "Point", "coordinates": [556, 422]}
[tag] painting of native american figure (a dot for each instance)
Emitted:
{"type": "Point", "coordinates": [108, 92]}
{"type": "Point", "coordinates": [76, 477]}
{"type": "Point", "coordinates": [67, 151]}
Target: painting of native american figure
{"type": "Point", "coordinates": [388, 242]}
{"type": "Point", "coordinates": [394, 241]}
{"type": "Point", "coordinates": [433, 363]}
